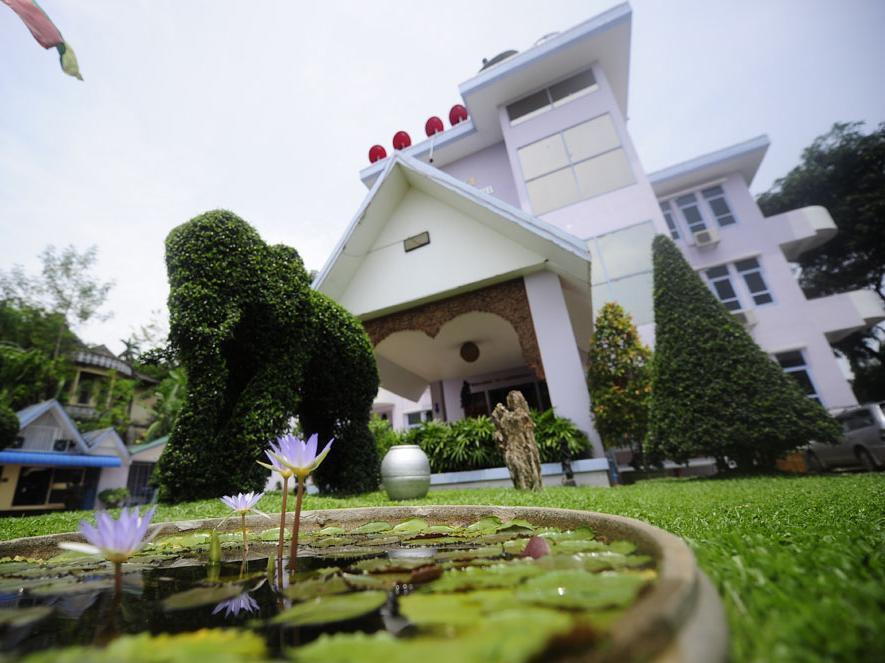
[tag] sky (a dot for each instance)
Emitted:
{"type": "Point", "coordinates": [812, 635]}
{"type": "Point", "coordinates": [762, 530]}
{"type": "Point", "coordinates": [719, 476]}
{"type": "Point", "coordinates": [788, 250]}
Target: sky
{"type": "Point", "coordinates": [268, 108]}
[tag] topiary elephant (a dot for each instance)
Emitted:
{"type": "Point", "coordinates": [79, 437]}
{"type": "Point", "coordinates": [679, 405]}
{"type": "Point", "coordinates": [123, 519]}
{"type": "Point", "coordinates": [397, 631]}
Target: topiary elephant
{"type": "Point", "coordinates": [259, 347]}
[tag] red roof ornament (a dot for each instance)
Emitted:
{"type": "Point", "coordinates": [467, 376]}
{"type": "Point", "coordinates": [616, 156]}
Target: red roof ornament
{"type": "Point", "coordinates": [401, 140]}
{"type": "Point", "coordinates": [457, 115]}
{"type": "Point", "coordinates": [376, 153]}
{"type": "Point", "coordinates": [433, 126]}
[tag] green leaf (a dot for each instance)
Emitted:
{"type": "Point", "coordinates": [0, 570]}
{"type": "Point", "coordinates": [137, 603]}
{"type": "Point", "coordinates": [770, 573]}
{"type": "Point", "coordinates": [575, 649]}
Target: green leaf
{"type": "Point", "coordinates": [473, 577]}
{"type": "Point", "coordinates": [411, 526]}
{"type": "Point", "coordinates": [573, 589]}
{"type": "Point", "coordinates": [199, 596]}
{"type": "Point", "coordinates": [327, 609]}
{"type": "Point", "coordinates": [307, 589]}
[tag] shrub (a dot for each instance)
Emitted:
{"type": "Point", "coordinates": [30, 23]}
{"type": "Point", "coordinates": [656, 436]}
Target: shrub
{"type": "Point", "coordinates": [714, 391]}
{"type": "Point", "coordinates": [469, 444]}
{"type": "Point", "coordinates": [619, 379]}
{"type": "Point", "coordinates": [259, 347]}
{"type": "Point", "coordinates": [385, 436]}
{"type": "Point", "coordinates": [114, 497]}
{"type": "Point", "coordinates": [8, 425]}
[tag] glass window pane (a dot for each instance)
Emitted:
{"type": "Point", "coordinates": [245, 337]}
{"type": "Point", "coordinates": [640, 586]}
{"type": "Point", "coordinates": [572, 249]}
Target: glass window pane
{"type": "Point", "coordinates": [746, 265]}
{"type": "Point", "coordinates": [604, 173]}
{"type": "Point", "coordinates": [527, 105]}
{"type": "Point", "coordinates": [719, 206]}
{"type": "Point", "coordinates": [724, 289]}
{"type": "Point", "coordinates": [591, 138]}
{"type": "Point", "coordinates": [764, 298]}
{"type": "Point", "coordinates": [627, 251]}
{"type": "Point", "coordinates": [544, 156]}
{"type": "Point", "coordinates": [732, 305]}
{"type": "Point", "coordinates": [635, 294]}
{"type": "Point", "coordinates": [754, 282]}
{"type": "Point", "coordinates": [717, 272]}
{"type": "Point", "coordinates": [801, 376]}
{"type": "Point", "coordinates": [713, 191]}
{"type": "Point", "coordinates": [693, 218]}
{"type": "Point", "coordinates": [552, 191]}
{"type": "Point", "coordinates": [687, 199]}
{"type": "Point", "coordinates": [790, 359]}
{"type": "Point", "coordinates": [572, 87]}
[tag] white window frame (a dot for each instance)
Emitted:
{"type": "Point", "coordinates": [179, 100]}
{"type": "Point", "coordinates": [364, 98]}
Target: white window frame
{"type": "Point", "coordinates": [423, 415]}
{"type": "Point", "coordinates": [708, 200]}
{"type": "Point", "coordinates": [698, 226]}
{"type": "Point", "coordinates": [670, 219]}
{"type": "Point", "coordinates": [804, 367]}
{"type": "Point", "coordinates": [711, 284]}
{"type": "Point", "coordinates": [755, 270]}
{"type": "Point", "coordinates": [551, 104]}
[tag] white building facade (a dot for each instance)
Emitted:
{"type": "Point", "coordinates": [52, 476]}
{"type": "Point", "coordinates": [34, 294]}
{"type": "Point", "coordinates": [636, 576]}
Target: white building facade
{"type": "Point", "coordinates": [545, 145]}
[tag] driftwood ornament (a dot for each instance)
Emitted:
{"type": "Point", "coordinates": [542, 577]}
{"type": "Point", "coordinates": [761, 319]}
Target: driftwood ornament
{"type": "Point", "coordinates": [515, 437]}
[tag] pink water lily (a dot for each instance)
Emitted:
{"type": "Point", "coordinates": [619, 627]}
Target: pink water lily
{"type": "Point", "coordinates": [117, 539]}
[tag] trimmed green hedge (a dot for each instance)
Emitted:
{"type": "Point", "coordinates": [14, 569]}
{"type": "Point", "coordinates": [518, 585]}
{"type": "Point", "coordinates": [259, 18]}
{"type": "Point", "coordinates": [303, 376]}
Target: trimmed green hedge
{"type": "Point", "coordinates": [469, 444]}
{"type": "Point", "coordinates": [714, 391]}
{"type": "Point", "coordinates": [259, 347]}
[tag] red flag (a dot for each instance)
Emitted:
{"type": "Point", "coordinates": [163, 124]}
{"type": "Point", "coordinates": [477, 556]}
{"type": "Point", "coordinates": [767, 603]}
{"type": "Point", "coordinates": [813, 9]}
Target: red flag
{"type": "Point", "coordinates": [45, 32]}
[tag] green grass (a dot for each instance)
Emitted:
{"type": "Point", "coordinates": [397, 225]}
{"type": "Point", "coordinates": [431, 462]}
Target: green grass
{"type": "Point", "coordinates": [799, 562]}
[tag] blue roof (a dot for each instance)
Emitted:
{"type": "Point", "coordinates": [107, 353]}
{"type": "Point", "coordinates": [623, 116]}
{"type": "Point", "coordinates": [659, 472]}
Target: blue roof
{"type": "Point", "coordinates": [57, 459]}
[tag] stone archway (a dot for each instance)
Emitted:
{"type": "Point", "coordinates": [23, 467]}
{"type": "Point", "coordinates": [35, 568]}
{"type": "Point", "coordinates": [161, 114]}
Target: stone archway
{"type": "Point", "coordinates": [507, 300]}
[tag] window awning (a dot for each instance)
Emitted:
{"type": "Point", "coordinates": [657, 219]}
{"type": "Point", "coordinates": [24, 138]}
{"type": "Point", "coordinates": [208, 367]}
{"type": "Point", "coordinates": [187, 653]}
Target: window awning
{"type": "Point", "coordinates": [57, 459]}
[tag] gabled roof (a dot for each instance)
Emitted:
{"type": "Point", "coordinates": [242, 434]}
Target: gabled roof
{"type": "Point", "coordinates": [567, 254]}
{"type": "Point", "coordinates": [139, 448]}
{"type": "Point", "coordinates": [95, 438]}
{"type": "Point", "coordinates": [31, 413]}
{"type": "Point", "coordinates": [743, 158]}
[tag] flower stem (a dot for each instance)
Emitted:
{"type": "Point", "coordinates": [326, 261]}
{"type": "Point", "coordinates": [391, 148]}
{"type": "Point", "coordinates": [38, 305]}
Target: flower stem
{"type": "Point", "coordinates": [283, 522]}
{"type": "Point", "coordinates": [118, 579]}
{"type": "Point", "coordinates": [293, 550]}
{"type": "Point", "coordinates": [245, 538]}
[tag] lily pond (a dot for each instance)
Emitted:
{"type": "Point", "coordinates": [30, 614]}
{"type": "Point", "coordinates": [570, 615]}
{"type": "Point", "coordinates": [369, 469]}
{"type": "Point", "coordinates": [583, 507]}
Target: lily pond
{"type": "Point", "coordinates": [486, 591]}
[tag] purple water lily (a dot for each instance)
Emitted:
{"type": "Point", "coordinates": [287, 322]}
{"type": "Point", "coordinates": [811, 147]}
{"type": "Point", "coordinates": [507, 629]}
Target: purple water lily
{"type": "Point", "coordinates": [289, 456]}
{"type": "Point", "coordinates": [236, 605]}
{"type": "Point", "coordinates": [242, 502]}
{"type": "Point", "coordinates": [117, 539]}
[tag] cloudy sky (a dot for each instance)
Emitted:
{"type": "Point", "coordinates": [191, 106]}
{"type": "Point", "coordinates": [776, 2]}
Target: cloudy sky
{"type": "Point", "coordinates": [268, 108]}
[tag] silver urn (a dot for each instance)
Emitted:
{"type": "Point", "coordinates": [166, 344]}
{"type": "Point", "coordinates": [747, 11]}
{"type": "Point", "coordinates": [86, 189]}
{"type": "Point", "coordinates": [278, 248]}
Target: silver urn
{"type": "Point", "coordinates": [405, 472]}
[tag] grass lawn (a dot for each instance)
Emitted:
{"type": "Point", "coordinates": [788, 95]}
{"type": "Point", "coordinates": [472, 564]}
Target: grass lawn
{"type": "Point", "coordinates": [799, 562]}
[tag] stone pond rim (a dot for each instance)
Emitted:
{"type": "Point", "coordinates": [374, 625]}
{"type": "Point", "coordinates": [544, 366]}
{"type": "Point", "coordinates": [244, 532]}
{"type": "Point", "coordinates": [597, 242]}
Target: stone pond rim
{"type": "Point", "coordinates": [681, 617]}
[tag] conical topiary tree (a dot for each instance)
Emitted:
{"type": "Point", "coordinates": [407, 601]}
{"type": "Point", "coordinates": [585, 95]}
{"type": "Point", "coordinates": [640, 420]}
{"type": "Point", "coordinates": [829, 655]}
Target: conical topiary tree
{"type": "Point", "coordinates": [619, 379]}
{"type": "Point", "coordinates": [714, 391]}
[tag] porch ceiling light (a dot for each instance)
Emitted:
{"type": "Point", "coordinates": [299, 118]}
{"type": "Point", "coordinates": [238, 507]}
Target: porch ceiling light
{"type": "Point", "coordinates": [469, 352]}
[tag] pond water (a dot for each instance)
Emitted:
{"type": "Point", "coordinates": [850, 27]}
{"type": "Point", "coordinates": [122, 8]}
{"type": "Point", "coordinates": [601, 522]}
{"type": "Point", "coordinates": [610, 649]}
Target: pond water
{"type": "Point", "coordinates": [383, 591]}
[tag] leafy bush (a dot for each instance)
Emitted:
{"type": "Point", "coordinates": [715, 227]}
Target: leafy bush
{"type": "Point", "coordinates": [385, 436]}
{"type": "Point", "coordinates": [259, 347]}
{"type": "Point", "coordinates": [8, 425]}
{"type": "Point", "coordinates": [714, 391]}
{"type": "Point", "coordinates": [469, 444]}
{"type": "Point", "coordinates": [619, 379]}
{"type": "Point", "coordinates": [30, 376]}
{"type": "Point", "coordinates": [114, 497]}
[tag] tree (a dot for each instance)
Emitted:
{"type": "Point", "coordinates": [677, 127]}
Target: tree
{"type": "Point", "coordinates": [170, 398]}
{"type": "Point", "coordinates": [29, 376]}
{"type": "Point", "coordinates": [619, 380]}
{"type": "Point", "coordinates": [844, 171]}
{"type": "Point", "coordinates": [64, 287]}
{"type": "Point", "coordinates": [31, 328]}
{"type": "Point", "coordinates": [8, 425]}
{"type": "Point", "coordinates": [714, 391]}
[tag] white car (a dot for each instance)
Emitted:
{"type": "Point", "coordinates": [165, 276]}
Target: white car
{"type": "Point", "coordinates": [863, 441]}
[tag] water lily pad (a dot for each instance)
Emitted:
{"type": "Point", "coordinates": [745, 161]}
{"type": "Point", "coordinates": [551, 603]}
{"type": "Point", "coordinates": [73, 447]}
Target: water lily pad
{"type": "Point", "coordinates": [335, 608]}
{"type": "Point", "coordinates": [331, 541]}
{"type": "Point", "coordinates": [471, 553]}
{"type": "Point", "coordinates": [411, 526]}
{"type": "Point", "coordinates": [581, 533]}
{"type": "Point", "coordinates": [517, 524]}
{"type": "Point", "coordinates": [199, 596]}
{"type": "Point", "coordinates": [390, 565]}
{"type": "Point", "coordinates": [569, 546]}
{"type": "Point", "coordinates": [382, 581]}
{"type": "Point", "coordinates": [372, 528]}
{"type": "Point", "coordinates": [70, 585]}
{"type": "Point", "coordinates": [623, 547]}
{"type": "Point", "coordinates": [487, 524]}
{"type": "Point", "coordinates": [16, 617]}
{"type": "Point", "coordinates": [307, 589]}
{"type": "Point", "coordinates": [330, 531]}
{"type": "Point", "coordinates": [484, 577]}
{"type": "Point", "coordinates": [573, 589]}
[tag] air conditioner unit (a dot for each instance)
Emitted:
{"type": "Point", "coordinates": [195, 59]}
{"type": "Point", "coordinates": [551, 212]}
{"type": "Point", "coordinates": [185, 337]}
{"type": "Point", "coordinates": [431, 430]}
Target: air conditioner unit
{"type": "Point", "coordinates": [746, 317]}
{"type": "Point", "coordinates": [706, 237]}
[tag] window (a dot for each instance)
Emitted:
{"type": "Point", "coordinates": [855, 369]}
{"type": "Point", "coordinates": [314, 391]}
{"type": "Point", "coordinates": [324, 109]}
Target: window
{"type": "Point", "coordinates": [688, 205]}
{"type": "Point", "coordinates": [856, 420]}
{"type": "Point", "coordinates": [621, 270]}
{"type": "Point", "coordinates": [581, 162]}
{"type": "Point", "coordinates": [552, 97]}
{"type": "Point", "coordinates": [752, 273]}
{"type": "Point", "coordinates": [415, 419]}
{"type": "Point", "coordinates": [793, 364]}
{"type": "Point", "coordinates": [720, 284]}
{"type": "Point", "coordinates": [668, 217]}
{"type": "Point", "coordinates": [715, 198]}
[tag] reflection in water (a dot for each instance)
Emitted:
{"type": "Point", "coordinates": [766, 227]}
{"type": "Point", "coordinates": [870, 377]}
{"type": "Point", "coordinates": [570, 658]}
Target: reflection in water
{"type": "Point", "coordinates": [236, 605]}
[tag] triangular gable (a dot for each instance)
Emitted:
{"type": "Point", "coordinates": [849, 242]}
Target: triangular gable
{"type": "Point", "coordinates": [106, 440]}
{"type": "Point", "coordinates": [31, 413]}
{"type": "Point", "coordinates": [475, 240]}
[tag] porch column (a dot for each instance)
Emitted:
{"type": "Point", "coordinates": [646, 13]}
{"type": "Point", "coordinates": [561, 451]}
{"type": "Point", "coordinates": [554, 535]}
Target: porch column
{"type": "Point", "coordinates": [563, 370]}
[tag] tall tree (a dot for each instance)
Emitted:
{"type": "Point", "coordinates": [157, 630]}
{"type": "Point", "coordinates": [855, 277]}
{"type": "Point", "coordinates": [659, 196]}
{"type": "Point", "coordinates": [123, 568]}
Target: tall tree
{"type": "Point", "coordinates": [65, 286]}
{"type": "Point", "coordinates": [32, 328]}
{"type": "Point", "coordinates": [619, 379]}
{"type": "Point", "coordinates": [714, 391]}
{"type": "Point", "coordinates": [844, 171]}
